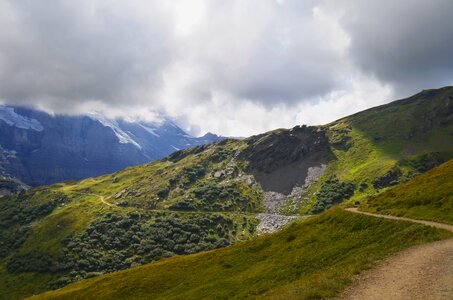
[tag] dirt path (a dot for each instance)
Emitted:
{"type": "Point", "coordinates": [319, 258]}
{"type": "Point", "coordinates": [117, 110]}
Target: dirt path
{"type": "Point", "coordinates": [102, 198]}
{"type": "Point", "coordinates": [428, 223]}
{"type": "Point", "coordinates": [421, 272]}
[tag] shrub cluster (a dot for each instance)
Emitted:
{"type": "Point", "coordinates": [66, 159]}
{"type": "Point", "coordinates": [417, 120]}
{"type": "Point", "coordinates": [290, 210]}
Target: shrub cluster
{"type": "Point", "coordinates": [211, 196]}
{"type": "Point", "coordinates": [185, 179]}
{"type": "Point", "coordinates": [390, 178]}
{"type": "Point", "coordinates": [12, 239]}
{"type": "Point", "coordinates": [118, 242]}
{"type": "Point", "coordinates": [19, 210]}
{"type": "Point", "coordinates": [331, 192]}
{"type": "Point", "coordinates": [31, 262]}
{"type": "Point", "coordinates": [426, 162]}
{"type": "Point", "coordinates": [16, 212]}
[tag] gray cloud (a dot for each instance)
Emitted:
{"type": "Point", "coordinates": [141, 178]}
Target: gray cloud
{"type": "Point", "coordinates": [287, 63]}
{"type": "Point", "coordinates": [66, 52]}
{"type": "Point", "coordinates": [235, 67]}
{"type": "Point", "coordinates": [406, 43]}
{"type": "Point", "coordinates": [93, 50]}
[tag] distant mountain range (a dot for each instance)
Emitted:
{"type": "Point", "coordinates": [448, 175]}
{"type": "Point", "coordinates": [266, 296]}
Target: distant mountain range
{"type": "Point", "coordinates": [39, 148]}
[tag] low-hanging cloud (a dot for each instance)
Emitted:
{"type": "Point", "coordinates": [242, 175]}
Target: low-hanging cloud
{"type": "Point", "coordinates": [67, 52]}
{"type": "Point", "coordinates": [234, 67]}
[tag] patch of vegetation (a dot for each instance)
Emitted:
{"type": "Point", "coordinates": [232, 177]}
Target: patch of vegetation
{"type": "Point", "coordinates": [117, 242]}
{"type": "Point", "coordinates": [31, 262]}
{"type": "Point", "coordinates": [17, 212]}
{"type": "Point", "coordinates": [212, 196]}
{"type": "Point", "coordinates": [190, 175]}
{"type": "Point", "coordinates": [388, 179]}
{"type": "Point", "coordinates": [428, 196]}
{"type": "Point", "coordinates": [425, 162]}
{"type": "Point", "coordinates": [332, 191]}
{"type": "Point", "coordinates": [11, 239]}
{"type": "Point", "coordinates": [314, 259]}
{"type": "Point", "coordinates": [24, 209]}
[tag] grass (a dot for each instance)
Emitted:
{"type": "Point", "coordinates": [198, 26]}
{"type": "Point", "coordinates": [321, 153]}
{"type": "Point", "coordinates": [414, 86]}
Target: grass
{"type": "Point", "coordinates": [368, 144]}
{"type": "Point", "coordinates": [12, 286]}
{"type": "Point", "coordinates": [312, 259]}
{"type": "Point", "coordinates": [428, 196]}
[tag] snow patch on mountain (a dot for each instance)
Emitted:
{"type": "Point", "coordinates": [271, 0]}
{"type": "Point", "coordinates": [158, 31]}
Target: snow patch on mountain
{"type": "Point", "coordinates": [122, 136]}
{"type": "Point", "coordinates": [150, 130]}
{"type": "Point", "coordinates": [10, 117]}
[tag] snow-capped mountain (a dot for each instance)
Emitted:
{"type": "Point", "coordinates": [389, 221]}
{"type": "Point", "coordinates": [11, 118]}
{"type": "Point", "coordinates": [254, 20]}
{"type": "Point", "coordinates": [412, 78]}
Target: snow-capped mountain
{"type": "Point", "coordinates": [39, 148]}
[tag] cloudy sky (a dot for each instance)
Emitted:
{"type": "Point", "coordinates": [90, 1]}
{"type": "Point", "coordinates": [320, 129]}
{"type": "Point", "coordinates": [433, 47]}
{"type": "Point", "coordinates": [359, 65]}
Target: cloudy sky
{"type": "Point", "coordinates": [235, 67]}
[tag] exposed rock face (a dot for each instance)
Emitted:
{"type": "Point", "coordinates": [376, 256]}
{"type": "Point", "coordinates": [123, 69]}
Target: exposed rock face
{"type": "Point", "coordinates": [280, 160]}
{"type": "Point", "coordinates": [41, 149]}
{"type": "Point", "coordinates": [272, 220]}
{"type": "Point", "coordinates": [313, 174]}
{"type": "Point", "coordinates": [273, 201]}
{"type": "Point", "coordinates": [9, 186]}
{"type": "Point", "coordinates": [285, 163]}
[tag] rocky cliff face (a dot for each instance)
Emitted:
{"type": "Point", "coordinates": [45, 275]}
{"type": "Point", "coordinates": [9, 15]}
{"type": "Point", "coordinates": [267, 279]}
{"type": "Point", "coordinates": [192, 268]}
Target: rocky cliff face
{"type": "Point", "coordinates": [41, 149]}
{"type": "Point", "coordinates": [280, 160]}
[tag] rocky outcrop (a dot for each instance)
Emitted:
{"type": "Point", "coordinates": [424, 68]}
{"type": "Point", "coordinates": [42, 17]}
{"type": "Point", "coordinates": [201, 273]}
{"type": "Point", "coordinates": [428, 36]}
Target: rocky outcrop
{"type": "Point", "coordinates": [9, 186]}
{"type": "Point", "coordinates": [273, 201]}
{"type": "Point", "coordinates": [272, 222]}
{"type": "Point", "coordinates": [280, 160]}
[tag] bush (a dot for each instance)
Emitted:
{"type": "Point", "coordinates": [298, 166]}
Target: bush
{"type": "Point", "coordinates": [331, 192]}
{"type": "Point", "coordinates": [22, 210]}
{"type": "Point", "coordinates": [210, 196]}
{"type": "Point", "coordinates": [31, 262]}
{"type": "Point", "coordinates": [426, 162]}
{"type": "Point", "coordinates": [117, 242]}
{"type": "Point", "coordinates": [191, 174]}
{"type": "Point", "coordinates": [388, 179]}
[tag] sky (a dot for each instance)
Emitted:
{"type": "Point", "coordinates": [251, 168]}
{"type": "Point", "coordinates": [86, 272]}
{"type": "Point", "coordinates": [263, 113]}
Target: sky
{"type": "Point", "coordinates": [235, 68]}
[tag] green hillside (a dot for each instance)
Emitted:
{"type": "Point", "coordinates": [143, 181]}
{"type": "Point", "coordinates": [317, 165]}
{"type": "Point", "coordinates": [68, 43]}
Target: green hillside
{"type": "Point", "coordinates": [211, 196]}
{"type": "Point", "coordinates": [428, 197]}
{"type": "Point", "coordinates": [390, 144]}
{"type": "Point", "coordinates": [307, 260]}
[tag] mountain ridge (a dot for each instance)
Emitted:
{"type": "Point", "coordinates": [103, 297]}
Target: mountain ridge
{"type": "Point", "coordinates": [39, 148]}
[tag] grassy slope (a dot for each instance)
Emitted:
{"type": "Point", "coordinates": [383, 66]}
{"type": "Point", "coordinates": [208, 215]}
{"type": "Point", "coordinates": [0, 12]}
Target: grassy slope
{"type": "Point", "coordinates": [428, 196]}
{"type": "Point", "coordinates": [366, 145]}
{"type": "Point", "coordinates": [83, 206]}
{"type": "Point", "coordinates": [311, 259]}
